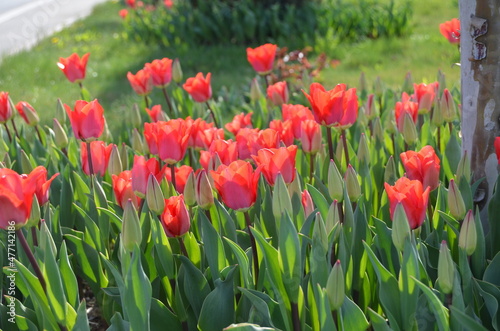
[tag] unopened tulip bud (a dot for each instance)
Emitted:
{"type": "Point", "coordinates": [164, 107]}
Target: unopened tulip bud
{"type": "Point", "coordinates": [363, 84]}
{"type": "Point", "coordinates": [307, 203]}
{"type": "Point", "coordinates": [410, 134]}
{"type": "Point", "coordinates": [281, 199]}
{"type": "Point", "coordinates": [190, 190]}
{"type": "Point", "coordinates": [446, 269]}
{"type": "Point", "coordinates": [60, 111]}
{"type": "Point", "coordinates": [468, 235]}
{"type": "Point", "coordinates": [176, 71]}
{"type": "Point", "coordinates": [400, 227]}
{"type": "Point", "coordinates": [363, 150]}
{"type": "Point", "coordinates": [35, 213]}
{"type": "Point", "coordinates": [154, 195]}
{"type": "Point", "coordinates": [370, 107]}
{"type": "Point", "coordinates": [455, 201]}
{"type": "Point", "coordinates": [106, 134]}
{"type": "Point", "coordinates": [352, 184]}
{"type": "Point", "coordinates": [204, 193]}
{"type": "Point", "coordinates": [131, 228]}
{"type": "Point", "coordinates": [463, 168]}
{"type": "Point", "coordinates": [390, 174]}
{"type": "Point", "coordinates": [335, 286]}
{"type": "Point", "coordinates": [124, 155]}
{"type": "Point", "coordinates": [448, 106]}
{"type": "Point", "coordinates": [320, 236]}
{"type": "Point", "coordinates": [333, 216]}
{"type": "Point", "coordinates": [335, 183]}
{"type": "Point", "coordinates": [137, 142]}
{"type": "Point", "coordinates": [26, 165]}
{"type": "Point", "coordinates": [389, 125]}
{"type": "Point", "coordinates": [135, 118]}
{"type": "Point", "coordinates": [339, 152]}
{"type": "Point", "coordinates": [255, 91]}
{"type": "Point", "coordinates": [60, 136]}
{"type": "Point", "coordinates": [437, 115]}
{"type": "Point", "coordinates": [6, 160]}
{"type": "Point", "coordinates": [215, 162]}
{"type": "Point", "coordinates": [115, 163]}
{"type": "Point", "coordinates": [408, 83]}
{"type": "Point", "coordinates": [378, 87]}
{"type": "Point", "coordinates": [32, 118]}
{"type": "Point", "coordinates": [441, 78]}
{"type": "Point", "coordinates": [295, 187]}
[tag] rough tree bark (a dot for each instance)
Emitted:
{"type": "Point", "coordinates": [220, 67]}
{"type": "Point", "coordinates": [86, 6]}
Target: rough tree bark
{"type": "Point", "coordinates": [480, 81]}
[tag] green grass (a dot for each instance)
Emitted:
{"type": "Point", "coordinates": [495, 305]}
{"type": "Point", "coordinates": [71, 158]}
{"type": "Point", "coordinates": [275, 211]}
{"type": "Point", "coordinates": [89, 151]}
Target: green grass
{"type": "Point", "coordinates": [33, 75]}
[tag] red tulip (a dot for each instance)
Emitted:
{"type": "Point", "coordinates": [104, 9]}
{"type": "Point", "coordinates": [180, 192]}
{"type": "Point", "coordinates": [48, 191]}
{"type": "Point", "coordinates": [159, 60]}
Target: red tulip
{"type": "Point", "coordinates": [239, 121]}
{"type": "Point", "coordinates": [141, 170]}
{"type": "Point", "coordinates": [405, 106]}
{"type": "Point", "coordinates": [175, 217]}
{"type": "Point", "coordinates": [168, 3]}
{"type": "Point", "coordinates": [100, 157]}
{"type": "Point", "coordinates": [423, 166]}
{"type": "Point", "coordinates": [5, 108]}
{"type": "Point", "coordinates": [307, 203]}
{"type": "Point", "coordinates": [161, 71]}
{"type": "Point", "coordinates": [156, 113]}
{"type": "Point", "coordinates": [278, 93]}
{"type": "Point", "coordinates": [277, 160]}
{"type": "Point", "coordinates": [251, 140]}
{"type": "Point", "coordinates": [497, 148]}
{"type": "Point", "coordinates": [122, 187]}
{"type": "Point", "coordinates": [227, 151]}
{"type": "Point", "coordinates": [181, 176]}
{"type": "Point", "coordinates": [285, 130]}
{"type": "Point", "coordinates": [38, 177]}
{"type": "Point", "coordinates": [425, 95]}
{"type": "Point", "coordinates": [262, 58]}
{"type": "Point", "coordinates": [141, 82]}
{"type": "Point", "coordinates": [87, 119]}
{"type": "Point", "coordinates": [237, 184]}
{"type": "Point", "coordinates": [202, 133]}
{"type": "Point", "coordinates": [297, 114]}
{"type": "Point", "coordinates": [335, 108]}
{"type": "Point", "coordinates": [123, 13]}
{"type": "Point", "coordinates": [130, 3]}
{"type": "Point", "coordinates": [412, 196]}
{"type": "Point", "coordinates": [451, 30]}
{"type": "Point", "coordinates": [199, 87]}
{"type": "Point", "coordinates": [74, 67]}
{"type": "Point", "coordinates": [168, 139]}
{"type": "Point", "coordinates": [16, 197]}
{"type": "Point", "coordinates": [27, 112]}
{"type": "Point", "coordinates": [311, 136]}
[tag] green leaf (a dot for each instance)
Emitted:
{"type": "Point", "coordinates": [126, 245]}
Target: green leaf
{"type": "Point", "coordinates": [492, 272]}
{"type": "Point", "coordinates": [409, 292]}
{"type": "Point", "coordinates": [491, 297]}
{"type": "Point", "coordinates": [68, 277]}
{"type": "Point", "coordinates": [164, 251]}
{"type": "Point", "coordinates": [214, 249]}
{"type": "Point", "coordinates": [378, 322]}
{"type": "Point", "coordinates": [247, 327]}
{"type": "Point", "coordinates": [217, 311]}
{"type": "Point", "coordinates": [162, 316]}
{"type": "Point", "coordinates": [118, 324]}
{"type": "Point", "coordinates": [82, 322]}
{"type": "Point", "coordinates": [289, 257]}
{"type": "Point", "coordinates": [493, 212]}
{"type": "Point", "coordinates": [440, 311]}
{"type": "Point", "coordinates": [319, 200]}
{"type": "Point", "coordinates": [452, 153]}
{"type": "Point", "coordinates": [260, 306]}
{"type": "Point", "coordinates": [196, 287]}
{"type": "Point", "coordinates": [352, 316]}
{"type": "Point", "coordinates": [466, 321]}
{"type": "Point", "coordinates": [242, 261]}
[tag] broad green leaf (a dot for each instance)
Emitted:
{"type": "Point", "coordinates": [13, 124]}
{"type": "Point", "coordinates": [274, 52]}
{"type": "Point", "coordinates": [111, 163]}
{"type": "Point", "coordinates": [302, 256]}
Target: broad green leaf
{"type": "Point", "coordinates": [118, 324]}
{"type": "Point", "coordinates": [242, 261]}
{"type": "Point", "coordinates": [164, 251]}
{"type": "Point", "coordinates": [378, 322]}
{"type": "Point", "coordinates": [319, 200]}
{"type": "Point", "coordinates": [491, 296]}
{"type": "Point", "coordinates": [196, 287]}
{"type": "Point", "coordinates": [162, 316]}
{"type": "Point", "coordinates": [478, 258]}
{"type": "Point", "coordinates": [493, 212]}
{"type": "Point", "coordinates": [466, 321]}
{"type": "Point", "coordinates": [352, 316]}
{"type": "Point", "coordinates": [492, 272]}
{"type": "Point", "coordinates": [82, 322]}
{"type": "Point", "coordinates": [260, 306]}
{"type": "Point", "coordinates": [439, 311]}
{"type": "Point", "coordinates": [409, 291]}
{"type": "Point", "coordinates": [289, 257]}
{"type": "Point", "coordinates": [214, 249]}
{"type": "Point", "coordinates": [248, 327]}
{"type": "Point", "coordinates": [68, 277]}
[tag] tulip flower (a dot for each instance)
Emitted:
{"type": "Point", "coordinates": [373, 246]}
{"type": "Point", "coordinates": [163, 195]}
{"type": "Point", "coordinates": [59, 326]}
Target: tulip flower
{"type": "Point", "coordinates": [199, 87]}
{"type": "Point", "coordinates": [335, 108]}
{"type": "Point", "coordinates": [262, 58]}
{"type": "Point", "coordinates": [307, 203]}
{"type": "Point", "coordinates": [5, 107]}
{"type": "Point", "coordinates": [226, 150]}
{"type": "Point", "coordinates": [277, 160]}
{"type": "Point", "coordinates": [100, 157]}
{"type": "Point", "coordinates": [204, 194]}
{"type": "Point", "coordinates": [425, 95]}
{"type": "Point", "coordinates": [310, 136]}
{"type": "Point", "coordinates": [297, 114]}
{"type": "Point", "coordinates": [28, 113]}
{"type": "Point", "coordinates": [451, 30]}
{"type": "Point", "coordinates": [87, 119]}
{"type": "Point", "coordinates": [168, 139]}
{"type": "Point", "coordinates": [497, 149]}
{"type": "Point", "coordinates": [122, 187]}
{"type": "Point", "coordinates": [141, 170]}
{"type": "Point", "coordinates": [448, 107]}
{"type": "Point", "coordinates": [405, 106]}
{"type": "Point", "coordinates": [16, 197]}
{"type": "Point", "coordinates": [284, 129]}
{"type": "Point", "coordinates": [156, 113]}
{"type": "Point", "coordinates": [161, 71]}
{"type": "Point", "coordinates": [239, 121]}
{"type": "Point", "coordinates": [423, 166]}
{"type": "Point", "coordinates": [123, 13]}
{"type": "Point", "coordinates": [237, 184]}
{"type": "Point", "coordinates": [278, 93]}
{"type": "Point", "coordinates": [413, 197]}
{"type": "Point", "coordinates": [251, 140]}
{"type": "Point", "coordinates": [38, 177]}
{"type": "Point", "coordinates": [168, 3]}
{"type": "Point", "coordinates": [175, 217]}
{"type": "Point", "coordinates": [203, 133]}
{"type": "Point", "coordinates": [141, 82]}
{"type": "Point", "coordinates": [181, 176]}
{"type": "Point", "coordinates": [74, 67]}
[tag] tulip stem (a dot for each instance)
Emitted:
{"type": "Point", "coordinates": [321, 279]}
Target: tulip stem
{"type": "Point", "coordinates": [33, 235]}
{"type": "Point", "coordinates": [15, 128]}
{"type": "Point", "coordinates": [213, 114]}
{"type": "Point", "coordinates": [89, 157]}
{"type": "Point", "coordinates": [346, 150]}
{"type": "Point", "coordinates": [39, 135]}
{"type": "Point", "coordinates": [330, 142]}
{"type": "Point", "coordinates": [311, 167]}
{"type": "Point", "coordinates": [32, 259]}
{"type": "Point", "coordinates": [393, 144]}
{"type": "Point", "coordinates": [141, 205]}
{"type": "Point", "coordinates": [183, 247]}
{"type": "Point", "coordinates": [254, 247]}
{"type": "Point", "coordinates": [146, 101]}
{"type": "Point", "coordinates": [169, 103]}
{"type": "Point", "coordinates": [295, 316]}
{"type": "Point", "coordinates": [8, 131]}
{"type": "Point", "coordinates": [438, 145]}
{"type": "Point", "coordinates": [450, 126]}
{"type": "Point", "coordinates": [172, 176]}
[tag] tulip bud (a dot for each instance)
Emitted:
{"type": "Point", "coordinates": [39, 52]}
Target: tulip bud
{"type": "Point", "coordinates": [307, 203]}
{"type": "Point", "coordinates": [352, 184]}
{"type": "Point", "coordinates": [31, 115]}
{"type": "Point", "coordinates": [441, 78]}
{"type": "Point", "coordinates": [468, 235]}
{"type": "Point", "coordinates": [60, 137]}
{"type": "Point", "coordinates": [6, 160]}
{"type": "Point", "coordinates": [463, 168]}
{"type": "Point", "coordinates": [35, 213]}
{"type": "Point", "coordinates": [390, 125]}
{"type": "Point", "coordinates": [455, 201]}
{"type": "Point", "coordinates": [408, 83]}
{"type": "Point", "coordinates": [333, 216]}
{"type": "Point", "coordinates": [135, 118]}
{"type": "Point", "coordinates": [378, 87]}
{"type": "Point", "coordinates": [448, 107]}
{"type": "Point", "coordinates": [339, 153]}
{"type": "Point", "coordinates": [335, 183]}
{"type": "Point", "coordinates": [137, 142]}
{"type": "Point", "coordinates": [390, 174]}
{"type": "Point", "coordinates": [26, 165]}
{"type": "Point", "coordinates": [320, 236]}
{"type": "Point", "coordinates": [189, 190]}
{"type": "Point", "coordinates": [363, 150]}
{"type": "Point", "coordinates": [176, 71]}
{"type": "Point", "coordinates": [410, 134]}
{"type": "Point", "coordinates": [131, 228]}
{"type": "Point", "coordinates": [295, 187]}
{"type": "Point", "coordinates": [60, 111]}
{"type": "Point", "coordinates": [204, 193]}
{"type": "Point", "coordinates": [370, 107]}
{"type": "Point", "coordinates": [255, 92]}
{"type": "Point", "coordinates": [363, 84]}
{"type": "Point", "coordinates": [437, 115]}
{"type": "Point", "coordinates": [115, 162]}
{"type": "Point", "coordinates": [124, 155]}
{"type": "Point", "coordinates": [335, 286]}
{"type": "Point", "coordinates": [215, 162]}
{"type": "Point", "coordinates": [106, 134]}
{"type": "Point", "coordinates": [281, 199]}
{"type": "Point", "coordinates": [400, 227]}
{"type": "Point", "coordinates": [154, 195]}
{"type": "Point", "coordinates": [446, 269]}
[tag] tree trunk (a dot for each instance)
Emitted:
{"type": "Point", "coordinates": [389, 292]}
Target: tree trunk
{"type": "Point", "coordinates": [480, 80]}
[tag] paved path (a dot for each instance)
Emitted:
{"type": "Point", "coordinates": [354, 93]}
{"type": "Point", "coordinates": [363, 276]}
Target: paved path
{"type": "Point", "coordinates": [24, 22]}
